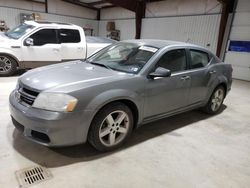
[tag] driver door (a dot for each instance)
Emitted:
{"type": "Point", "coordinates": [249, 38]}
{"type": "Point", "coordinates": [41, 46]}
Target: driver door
{"type": "Point", "coordinates": [168, 94]}
{"type": "Point", "coordinates": [45, 49]}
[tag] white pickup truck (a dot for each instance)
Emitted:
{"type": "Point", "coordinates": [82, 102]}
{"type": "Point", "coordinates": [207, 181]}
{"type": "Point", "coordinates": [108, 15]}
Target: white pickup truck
{"type": "Point", "coordinates": [35, 44]}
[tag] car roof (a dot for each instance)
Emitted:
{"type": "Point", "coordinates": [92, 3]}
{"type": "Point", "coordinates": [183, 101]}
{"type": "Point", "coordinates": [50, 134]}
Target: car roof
{"type": "Point", "coordinates": [162, 43]}
{"type": "Point", "coordinates": [47, 23]}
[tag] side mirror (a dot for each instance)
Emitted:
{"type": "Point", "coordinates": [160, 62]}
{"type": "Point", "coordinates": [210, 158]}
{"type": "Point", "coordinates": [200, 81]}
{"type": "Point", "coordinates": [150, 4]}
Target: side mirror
{"type": "Point", "coordinates": [160, 72]}
{"type": "Point", "coordinates": [29, 42]}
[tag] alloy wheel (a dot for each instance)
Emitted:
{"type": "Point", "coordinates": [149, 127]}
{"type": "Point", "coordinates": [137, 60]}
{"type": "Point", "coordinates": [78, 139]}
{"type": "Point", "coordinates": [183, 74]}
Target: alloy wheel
{"type": "Point", "coordinates": [114, 128]}
{"type": "Point", "coordinates": [217, 99]}
{"type": "Point", "coordinates": [5, 64]}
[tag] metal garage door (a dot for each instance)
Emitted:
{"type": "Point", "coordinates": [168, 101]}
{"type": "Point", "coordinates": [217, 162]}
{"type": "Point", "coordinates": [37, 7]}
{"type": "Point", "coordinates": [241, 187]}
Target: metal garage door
{"type": "Point", "coordinates": [240, 32]}
{"type": "Point", "coordinates": [241, 64]}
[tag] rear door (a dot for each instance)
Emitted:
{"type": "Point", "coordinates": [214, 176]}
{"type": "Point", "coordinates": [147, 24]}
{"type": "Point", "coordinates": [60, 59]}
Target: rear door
{"type": "Point", "coordinates": [202, 75]}
{"type": "Point", "coordinates": [71, 45]}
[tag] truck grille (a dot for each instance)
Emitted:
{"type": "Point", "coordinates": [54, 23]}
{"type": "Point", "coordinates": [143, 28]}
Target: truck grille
{"type": "Point", "coordinates": [27, 96]}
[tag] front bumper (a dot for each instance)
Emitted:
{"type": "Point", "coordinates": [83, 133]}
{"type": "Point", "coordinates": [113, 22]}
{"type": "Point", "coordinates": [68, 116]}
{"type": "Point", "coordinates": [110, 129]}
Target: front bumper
{"type": "Point", "coordinates": [50, 128]}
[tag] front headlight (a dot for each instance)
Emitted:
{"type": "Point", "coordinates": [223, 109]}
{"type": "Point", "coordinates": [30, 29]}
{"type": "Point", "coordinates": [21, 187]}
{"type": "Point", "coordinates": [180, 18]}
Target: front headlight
{"type": "Point", "coordinates": [55, 102]}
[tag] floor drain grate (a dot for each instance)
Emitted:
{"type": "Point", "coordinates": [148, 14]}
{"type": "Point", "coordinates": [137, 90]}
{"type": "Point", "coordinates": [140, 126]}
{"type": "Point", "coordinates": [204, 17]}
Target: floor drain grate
{"type": "Point", "coordinates": [33, 175]}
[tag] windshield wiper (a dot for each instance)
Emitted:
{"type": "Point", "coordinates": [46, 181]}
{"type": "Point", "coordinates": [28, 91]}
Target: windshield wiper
{"type": "Point", "coordinates": [6, 34]}
{"type": "Point", "coordinates": [100, 64]}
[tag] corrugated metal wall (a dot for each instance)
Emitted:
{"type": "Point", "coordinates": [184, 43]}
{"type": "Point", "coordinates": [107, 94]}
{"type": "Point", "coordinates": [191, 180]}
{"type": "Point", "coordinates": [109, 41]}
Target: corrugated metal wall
{"type": "Point", "coordinates": [201, 30]}
{"type": "Point", "coordinates": [12, 17]}
{"type": "Point", "coordinates": [126, 26]}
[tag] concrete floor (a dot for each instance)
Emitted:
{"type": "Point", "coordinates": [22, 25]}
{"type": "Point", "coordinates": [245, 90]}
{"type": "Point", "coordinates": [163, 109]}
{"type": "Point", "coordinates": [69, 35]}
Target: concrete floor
{"type": "Point", "coordinates": [187, 150]}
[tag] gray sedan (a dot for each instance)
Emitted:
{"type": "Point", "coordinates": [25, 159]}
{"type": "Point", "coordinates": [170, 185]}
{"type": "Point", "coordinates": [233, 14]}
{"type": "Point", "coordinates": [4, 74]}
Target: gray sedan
{"type": "Point", "coordinates": [130, 83]}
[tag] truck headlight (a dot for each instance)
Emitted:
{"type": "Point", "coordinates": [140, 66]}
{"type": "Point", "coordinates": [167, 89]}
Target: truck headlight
{"type": "Point", "coordinates": [55, 102]}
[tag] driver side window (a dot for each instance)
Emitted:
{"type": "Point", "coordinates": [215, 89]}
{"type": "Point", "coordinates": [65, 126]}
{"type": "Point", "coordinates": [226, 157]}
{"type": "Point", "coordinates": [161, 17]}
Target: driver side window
{"type": "Point", "coordinates": [174, 60]}
{"type": "Point", "coordinates": [44, 36]}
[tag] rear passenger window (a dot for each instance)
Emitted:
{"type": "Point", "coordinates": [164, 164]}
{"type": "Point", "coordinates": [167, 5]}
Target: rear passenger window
{"type": "Point", "coordinates": [199, 59]}
{"type": "Point", "coordinates": [174, 60]}
{"type": "Point", "coordinates": [69, 36]}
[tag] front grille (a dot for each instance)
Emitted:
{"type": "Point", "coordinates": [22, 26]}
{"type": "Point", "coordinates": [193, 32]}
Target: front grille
{"type": "Point", "coordinates": [27, 96]}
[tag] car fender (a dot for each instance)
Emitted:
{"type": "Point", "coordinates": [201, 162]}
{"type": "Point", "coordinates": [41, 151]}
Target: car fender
{"type": "Point", "coordinates": [8, 52]}
{"type": "Point", "coordinates": [107, 97]}
{"type": "Point", "coordinates": [221, 79]}
{"type": "Point", "coordinates": [114, 95]}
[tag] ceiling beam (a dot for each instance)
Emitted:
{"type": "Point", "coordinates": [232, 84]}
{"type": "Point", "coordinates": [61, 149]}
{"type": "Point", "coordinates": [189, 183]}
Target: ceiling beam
{"type": "Point", "coordinates": [137, 6]}
{"type": "Point", "coordinates": [151, 1]}
{"type": "Point", "coordinates": [76, 2]}
{"type": "Point", "coordinates": [97, 3]}
{"type": "Point", "coordinates": [108, 6]}
{"type": "Point", "coordinates": [139, 14]}
{"type": "Point", "coordinates": [98, 15]}
{"type": "Point", "coordinates": [42, 2]}
{"type": "Point", "coordinates": [128, 4]}
{"type": "Point", "coordinates": [46, 6]}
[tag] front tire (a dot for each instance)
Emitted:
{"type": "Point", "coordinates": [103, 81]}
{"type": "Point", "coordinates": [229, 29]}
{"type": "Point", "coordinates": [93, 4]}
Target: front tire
{"type": "Point", "coordinates": [8, 66]}
{"type": "Point", "coordinates": [111, 127]}
{"type": "Point", "coordinates": [215, 102]}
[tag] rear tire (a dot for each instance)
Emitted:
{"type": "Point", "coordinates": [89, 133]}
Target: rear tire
{"type": "Point", "coordinates": [215, 102]}
{"type": "Point", "coordinates": [8, 65]}
{"type": "Point", "coordinates": [111, 127]}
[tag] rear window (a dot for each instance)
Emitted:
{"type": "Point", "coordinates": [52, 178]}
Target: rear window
{"type": "Point", "coordinates": [199, 59]}
{"type": "Point", "coordinates": [69, 36]}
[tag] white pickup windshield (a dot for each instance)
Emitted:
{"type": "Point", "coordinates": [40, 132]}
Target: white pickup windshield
{"type": "Point", "coordinates": [19, 31]}
{"type": "Point", "coordinates": [124, 57]}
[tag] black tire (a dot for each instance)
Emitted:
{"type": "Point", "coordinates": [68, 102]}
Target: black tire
{"type": "Point", "coordinates": [8, 65]}
{"type": "Point", "coordinates": [210, 108]}
{"type": "Point", "coordinates": [101, 122]}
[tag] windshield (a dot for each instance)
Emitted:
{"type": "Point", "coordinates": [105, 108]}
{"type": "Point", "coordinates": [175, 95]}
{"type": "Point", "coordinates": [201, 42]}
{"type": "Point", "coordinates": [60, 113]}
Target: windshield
{"type": "Point", "coordinates": [124, 57]}
{"type": "Point", "coordinates": [19, 31]}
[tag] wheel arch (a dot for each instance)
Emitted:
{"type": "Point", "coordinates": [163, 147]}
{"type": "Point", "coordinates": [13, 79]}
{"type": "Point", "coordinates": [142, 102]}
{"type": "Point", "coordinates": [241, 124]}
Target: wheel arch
{"type": "Point", "coordinates": [128, 102]}
{"type": "Point", "coordinates": [12, 56]}
{"type": "Point", "coordinates": [224, 85]}
{"type": "Point", "coordinates": [221, 81]}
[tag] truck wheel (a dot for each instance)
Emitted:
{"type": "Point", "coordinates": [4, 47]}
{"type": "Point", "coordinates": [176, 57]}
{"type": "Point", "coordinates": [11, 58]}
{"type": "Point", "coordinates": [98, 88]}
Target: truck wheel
{"type": "Point", "coordinates": [8, 65]}
{"type": "Point", "coordinates": [215, 102]}
{"type": "Point", "coordinates": [111, 127]}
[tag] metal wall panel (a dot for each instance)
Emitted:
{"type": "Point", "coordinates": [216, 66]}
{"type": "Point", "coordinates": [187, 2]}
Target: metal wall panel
{"type": "Point", "coordinates": [126, 26]}
{"type": "Point", "coordinates": [241, 64]}
{"type": "Point", "coordinates": [201, 30]}
{"type": "Point", "coordinates": [241, 18]}
{"type": "Point", "coordinates": [12, 18]}
{"type": "Point", "coordinates": [240, 33]}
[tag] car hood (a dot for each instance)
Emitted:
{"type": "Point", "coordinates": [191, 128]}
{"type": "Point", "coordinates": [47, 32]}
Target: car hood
{"type": "Point", "coordinates": [68, 74]}
{"type": "Point", "coordinates": [6, 42]}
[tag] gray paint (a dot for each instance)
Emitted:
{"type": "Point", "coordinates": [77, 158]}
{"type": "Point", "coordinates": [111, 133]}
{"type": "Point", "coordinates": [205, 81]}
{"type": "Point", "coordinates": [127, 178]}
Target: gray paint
{"type": "Point", "coordinates": [95, 86]}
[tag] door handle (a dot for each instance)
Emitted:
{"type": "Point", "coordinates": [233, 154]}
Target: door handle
{"type": "Point", "coordinates": [212, 72]}
{"type": "Point", "coordinates": [80, 48]}
{"type": "Point", "coordinates": [185, 78]}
